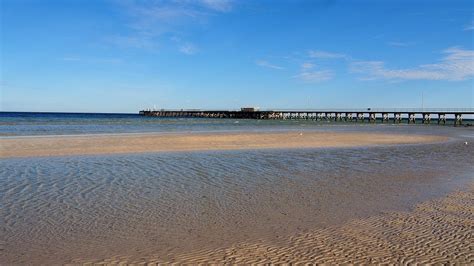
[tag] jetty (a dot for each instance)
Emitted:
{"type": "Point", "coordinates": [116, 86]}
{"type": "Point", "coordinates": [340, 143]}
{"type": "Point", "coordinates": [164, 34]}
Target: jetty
{"type": "Point", "coordinates": [368, 115]}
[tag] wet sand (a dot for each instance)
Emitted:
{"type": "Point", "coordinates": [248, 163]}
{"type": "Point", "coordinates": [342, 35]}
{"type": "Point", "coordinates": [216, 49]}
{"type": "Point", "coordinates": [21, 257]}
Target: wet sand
{"type": "Point", "coordinates": [112, 144]}
{"type": "Point", "coordinates": [435, 232]}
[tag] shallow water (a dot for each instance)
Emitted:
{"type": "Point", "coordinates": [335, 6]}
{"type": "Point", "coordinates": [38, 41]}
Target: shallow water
{"type": "Point", "coordinates": [58, 209]}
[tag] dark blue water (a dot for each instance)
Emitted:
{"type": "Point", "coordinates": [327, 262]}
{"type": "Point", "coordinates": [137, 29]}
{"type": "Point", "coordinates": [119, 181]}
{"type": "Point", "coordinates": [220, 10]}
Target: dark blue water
{"type": "Point", "coordinates": [24, 124]}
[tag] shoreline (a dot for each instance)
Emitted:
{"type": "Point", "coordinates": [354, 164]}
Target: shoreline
{"type": "Point", "coordinates": [39, 146]}
{"type": "Point", "coordinates": [229, 131]}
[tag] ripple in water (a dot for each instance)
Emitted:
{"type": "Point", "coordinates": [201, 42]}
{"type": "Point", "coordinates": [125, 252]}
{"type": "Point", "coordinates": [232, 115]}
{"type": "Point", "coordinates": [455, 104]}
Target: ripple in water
{"type": "Point", "coordinates": [57, 209]}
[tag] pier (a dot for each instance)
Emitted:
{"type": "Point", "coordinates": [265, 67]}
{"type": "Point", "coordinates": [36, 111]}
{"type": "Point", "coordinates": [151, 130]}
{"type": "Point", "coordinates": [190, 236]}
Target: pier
{"type": "Point", "coordinates": [395, 116]}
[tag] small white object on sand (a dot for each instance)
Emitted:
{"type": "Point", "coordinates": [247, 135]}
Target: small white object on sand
{"type": "Point", "coordinates": [465, 143]}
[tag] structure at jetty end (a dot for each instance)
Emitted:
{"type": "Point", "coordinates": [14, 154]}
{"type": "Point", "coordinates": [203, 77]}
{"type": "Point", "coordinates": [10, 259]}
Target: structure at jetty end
{"type": "Point", "coordinates": [411, 116]}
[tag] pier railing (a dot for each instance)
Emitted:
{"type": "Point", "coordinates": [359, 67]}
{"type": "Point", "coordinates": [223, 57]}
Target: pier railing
{"type": "Point", "coordinates": [379, 110]}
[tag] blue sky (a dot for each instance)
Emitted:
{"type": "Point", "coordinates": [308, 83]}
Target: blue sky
{"type": "Point", "coordinates": [123, 56]}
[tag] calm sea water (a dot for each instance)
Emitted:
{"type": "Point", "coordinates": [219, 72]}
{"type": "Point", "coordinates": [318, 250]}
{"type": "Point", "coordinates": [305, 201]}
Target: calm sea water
{"type": "Point", "coordinates": [58, 209]}
{"type": "Point", "coordinates": [23, 124]}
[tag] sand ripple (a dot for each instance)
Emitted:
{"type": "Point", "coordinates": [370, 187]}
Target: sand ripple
{"type": "Point", "coordinates": [438, 231]}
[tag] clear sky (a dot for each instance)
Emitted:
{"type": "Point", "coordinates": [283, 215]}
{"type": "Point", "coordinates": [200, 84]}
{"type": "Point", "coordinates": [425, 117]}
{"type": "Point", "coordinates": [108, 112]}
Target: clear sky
{"type": "Point", "coordinates": [123, 56]}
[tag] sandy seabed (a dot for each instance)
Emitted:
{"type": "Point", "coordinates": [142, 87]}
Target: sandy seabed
{"type": "Point", "coordinates": [435, 232]}
{"type": "Point", "coordinates": [110, 144]}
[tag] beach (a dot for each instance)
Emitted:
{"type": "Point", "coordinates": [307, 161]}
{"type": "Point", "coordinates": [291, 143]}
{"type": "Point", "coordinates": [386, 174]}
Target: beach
{"type": "Point", "coordinates": [332, 195]}
{"type": "Point", "coordinates": [137, 143]}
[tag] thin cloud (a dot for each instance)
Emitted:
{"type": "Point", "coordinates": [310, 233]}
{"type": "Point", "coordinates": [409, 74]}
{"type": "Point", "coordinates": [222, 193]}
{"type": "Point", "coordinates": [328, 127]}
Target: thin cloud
{"type": "Point", "coordinates": [188, 48]}
{"type": "Point", "coordinates": [400, 44]}
{"type": "Point", "coordinates": [315, 76]}
{"type": "Point", "coordinates": [91, 60]}
{"type": "Point", "coordinates": [140, 42]}
{"type": "Point", "coordinates": [267, 64]}
{"type": "Point", "coordinates": [214, 5]}
{"type": "Point", "coordinates": [324, 54]}
{"type": "Point", "coordinates": [307, 65]}
{"type": "Point", "coordinates": [457, 64]}
{"type": "Point", "coordinates": [470, 26]}
{"type": "Point", "coordinates": [149, 21]}
{"type": "Point", "coordinates": [218, 5]}
{"type": "Point", "coordinates": [307, 74]}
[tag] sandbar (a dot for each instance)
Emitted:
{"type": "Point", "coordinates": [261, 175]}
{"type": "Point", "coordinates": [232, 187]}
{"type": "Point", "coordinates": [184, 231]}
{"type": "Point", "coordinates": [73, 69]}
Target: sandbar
{"type": "Point", "coordinates": [113, 144]}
